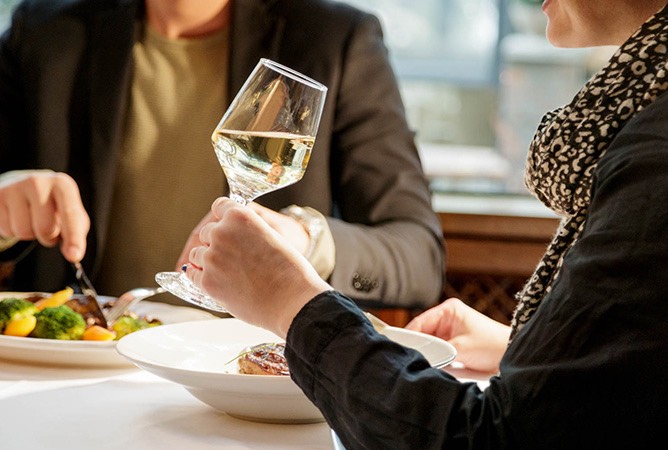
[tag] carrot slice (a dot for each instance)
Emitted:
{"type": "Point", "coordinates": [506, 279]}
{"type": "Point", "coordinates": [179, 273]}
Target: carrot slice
{"type": "Point", "coordinates": [98, 333]}
{"type": "Point", "coordinates": [56, 299]}
{"type": "Point", "coordinates": [21, 327]}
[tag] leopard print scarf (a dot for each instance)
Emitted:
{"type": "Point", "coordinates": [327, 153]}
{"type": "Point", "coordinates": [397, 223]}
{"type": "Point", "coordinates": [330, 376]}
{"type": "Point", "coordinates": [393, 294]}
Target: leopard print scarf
{"type": "Point", "coordinates": [570, 141]}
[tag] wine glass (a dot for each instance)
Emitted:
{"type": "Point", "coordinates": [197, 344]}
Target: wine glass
{"type": "Point", "coordinates": [263, 143]}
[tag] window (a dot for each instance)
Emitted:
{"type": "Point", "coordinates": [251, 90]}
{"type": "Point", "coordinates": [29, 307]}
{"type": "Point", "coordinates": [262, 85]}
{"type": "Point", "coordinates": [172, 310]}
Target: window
{"type": "Point", "coordinates": [453, 40]}
{"type": "Point", "coordinates": [476, 77]}
{"type": "Point", "coordinates": [6, 7]}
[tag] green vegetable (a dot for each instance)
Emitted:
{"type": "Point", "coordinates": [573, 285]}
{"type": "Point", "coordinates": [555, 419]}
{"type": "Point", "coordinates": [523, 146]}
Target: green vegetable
{"type": "Point", "coordinates": [14, 308]}
{"type": "Point", "coordinates": [129, 324]}
{"type": "Point", "coordinates": [60, 322]}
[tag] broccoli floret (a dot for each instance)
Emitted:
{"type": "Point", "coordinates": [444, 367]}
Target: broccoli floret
{"type": "Point", "coordinates": [15, 308]}
{"type": "Point", "coordinates": [129, 324]}
{"type": "Point", "coordinates": [126, 325]}
{"type": "Point", "coordinates": [60, 322]}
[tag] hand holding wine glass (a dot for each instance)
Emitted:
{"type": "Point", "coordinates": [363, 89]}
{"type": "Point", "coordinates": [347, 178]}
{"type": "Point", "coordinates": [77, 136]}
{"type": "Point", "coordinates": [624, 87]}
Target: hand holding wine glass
{"type": "Point", "coordinates": [263, 143]}
{"type": "Point", "coordinates": [248, 266]}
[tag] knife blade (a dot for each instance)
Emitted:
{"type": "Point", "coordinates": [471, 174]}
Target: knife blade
{"type": "Point", "coordinates": [89, 291]}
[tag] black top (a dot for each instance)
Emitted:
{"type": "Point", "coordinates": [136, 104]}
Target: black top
{"type": "Point", "coordinates": [590, 370]}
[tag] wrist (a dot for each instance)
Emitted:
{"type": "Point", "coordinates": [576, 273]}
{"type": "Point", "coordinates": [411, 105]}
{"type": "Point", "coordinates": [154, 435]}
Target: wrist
{"type": "Point", "coordinates": [292, 308]}
{"type": "Point", "coordinates": [312, 223]}
{"type": "Point", "coordinates": [321, 250]}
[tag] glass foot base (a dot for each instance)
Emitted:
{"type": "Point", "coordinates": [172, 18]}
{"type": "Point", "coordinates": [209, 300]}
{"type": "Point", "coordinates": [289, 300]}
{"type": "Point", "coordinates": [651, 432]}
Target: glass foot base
{"type": "Point", "coordinates": [178, 284]}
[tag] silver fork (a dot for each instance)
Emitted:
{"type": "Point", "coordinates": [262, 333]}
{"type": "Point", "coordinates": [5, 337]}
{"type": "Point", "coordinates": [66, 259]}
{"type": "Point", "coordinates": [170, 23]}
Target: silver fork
{"type": "Point", "coordinates": [128, 300]}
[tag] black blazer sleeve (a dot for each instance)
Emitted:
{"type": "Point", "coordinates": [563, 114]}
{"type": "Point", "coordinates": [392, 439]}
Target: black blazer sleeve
{"type": "Point", "coordinates": [388, 239]}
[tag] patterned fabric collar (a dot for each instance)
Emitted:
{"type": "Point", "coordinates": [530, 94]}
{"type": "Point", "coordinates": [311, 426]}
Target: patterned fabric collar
{"type": "Point", "coordinates": [571, 140]}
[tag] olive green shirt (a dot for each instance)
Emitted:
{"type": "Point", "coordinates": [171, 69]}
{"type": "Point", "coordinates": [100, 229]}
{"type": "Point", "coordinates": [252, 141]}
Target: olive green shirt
{"type": "Point", "coordinates": [167, 174]}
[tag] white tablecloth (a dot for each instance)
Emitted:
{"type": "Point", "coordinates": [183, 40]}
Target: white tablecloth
{"type": "Point", "coordinates": [44, 408]}
{"type": "Point", "coordinates": [47, 408]}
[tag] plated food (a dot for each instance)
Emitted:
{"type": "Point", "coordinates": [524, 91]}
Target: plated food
{"type": "Point", "coordinates": [264, 359]}
{"type": "Point", "coordinates": [64, 316]}
{"type": "Point", "coordinates": [86, 353]}
{"type": "Point", "coordinates": [203, 358]}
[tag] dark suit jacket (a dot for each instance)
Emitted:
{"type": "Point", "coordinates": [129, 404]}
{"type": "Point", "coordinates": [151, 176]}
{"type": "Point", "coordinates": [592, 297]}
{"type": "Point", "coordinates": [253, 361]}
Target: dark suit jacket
{"type": "Point", "coordinates": [65, 69]}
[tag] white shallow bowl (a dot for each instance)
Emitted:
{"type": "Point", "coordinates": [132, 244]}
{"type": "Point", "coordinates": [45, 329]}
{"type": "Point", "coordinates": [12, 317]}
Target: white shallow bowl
{"type": "Point", "coordinates": [202, 357]}
{"type": "Point", "coordinates": [99, 354]}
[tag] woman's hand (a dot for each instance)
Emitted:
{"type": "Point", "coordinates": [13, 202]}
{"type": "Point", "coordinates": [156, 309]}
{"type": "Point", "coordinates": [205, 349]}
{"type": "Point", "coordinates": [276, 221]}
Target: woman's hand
{"type": "Point", "coordinates": [293, 231]}
{"type": "Point", "coordinates": [288, 227]}
{"type": "Point", "coordinates": [193, 241]}
{"type": "Point", "coordinates": [480, 341]}
{"type": "Point", "coordinates": [46, 206]}
{"type": "Point", "coordinates": [251, 270]}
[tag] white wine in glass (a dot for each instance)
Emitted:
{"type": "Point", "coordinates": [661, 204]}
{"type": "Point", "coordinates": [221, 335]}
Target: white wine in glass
{"type": "Point", "coordinates": [259, 162]}
{"type": "Point", "coordinates": [263, 143]}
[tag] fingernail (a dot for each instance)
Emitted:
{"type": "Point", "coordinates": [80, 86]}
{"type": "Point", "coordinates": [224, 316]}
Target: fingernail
{"type": "Point", "coordinates": [74, 251]}
{"type": "Point", "coordinates": [184, 268]}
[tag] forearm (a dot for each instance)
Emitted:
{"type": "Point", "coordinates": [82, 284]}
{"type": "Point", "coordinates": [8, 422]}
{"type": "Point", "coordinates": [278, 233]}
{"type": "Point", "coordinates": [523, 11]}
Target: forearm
{"type": "Point", "coordinates": [388, 240]}
{"type": "Point", "coordinates": [376, 394]}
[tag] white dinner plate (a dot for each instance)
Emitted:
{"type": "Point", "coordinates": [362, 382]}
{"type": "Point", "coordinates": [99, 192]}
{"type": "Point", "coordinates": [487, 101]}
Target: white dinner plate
{"type": "Point", "coordinates": [202, 357]}
{"type": "Point", "coordinates": [53, 352]}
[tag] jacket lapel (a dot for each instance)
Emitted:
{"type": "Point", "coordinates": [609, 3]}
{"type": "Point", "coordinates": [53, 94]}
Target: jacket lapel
{"type": "Point", "coordinates": [112, 38]}
{"type": "Point", "coordinates": [256, 33]}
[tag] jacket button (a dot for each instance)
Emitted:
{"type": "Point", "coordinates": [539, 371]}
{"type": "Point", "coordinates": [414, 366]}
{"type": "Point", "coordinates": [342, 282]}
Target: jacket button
{"type": "Point", "coordinates": [363, 284]}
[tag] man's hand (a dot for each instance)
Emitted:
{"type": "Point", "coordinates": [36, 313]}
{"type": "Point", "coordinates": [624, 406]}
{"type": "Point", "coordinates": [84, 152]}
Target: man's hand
{"type": "Point", "coordinates": [46, 206]}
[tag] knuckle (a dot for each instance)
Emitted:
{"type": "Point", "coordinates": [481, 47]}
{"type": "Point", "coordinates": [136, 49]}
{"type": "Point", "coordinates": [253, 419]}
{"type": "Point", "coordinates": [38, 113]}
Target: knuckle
{"type": "Point", "coordinates": [23, 232]}
{"type": "Point", "coordinates": [238, 213]}
{"type": "Point", "coordinates": [71, 210]}
{"type": "Point", "coordinates": [33, 184]}
{"type": "Point", "coordinates": [46, 231]}
{"type": "Point", "coordinates": [63, 179]}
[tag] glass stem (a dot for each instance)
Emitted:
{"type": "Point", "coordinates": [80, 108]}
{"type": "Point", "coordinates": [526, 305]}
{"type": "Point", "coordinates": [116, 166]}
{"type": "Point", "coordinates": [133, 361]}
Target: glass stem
{"type": "Point", "coordinates": [238, 198]}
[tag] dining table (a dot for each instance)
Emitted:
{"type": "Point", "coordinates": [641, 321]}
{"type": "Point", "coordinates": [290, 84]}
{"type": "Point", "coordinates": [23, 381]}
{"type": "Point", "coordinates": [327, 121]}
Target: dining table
{"type": "Point", "coordinates": [46, 407]}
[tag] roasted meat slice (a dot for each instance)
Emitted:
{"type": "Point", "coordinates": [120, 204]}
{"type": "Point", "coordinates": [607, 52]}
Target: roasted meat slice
{"type": "Point", "coordinates": [264, 359]}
